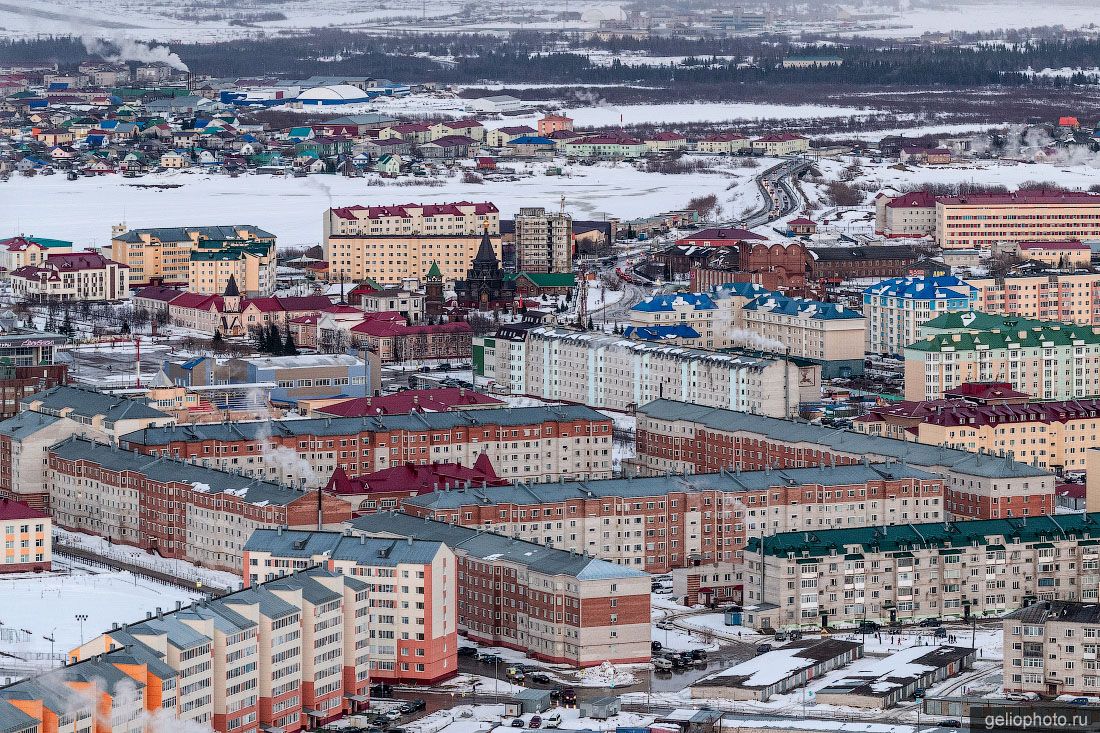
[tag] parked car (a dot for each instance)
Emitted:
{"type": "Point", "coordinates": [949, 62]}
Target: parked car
{"type": "Point", "coordinates": [664, 625]}
{"type": "Point", "coordinates": [763, 648]}
{"type": "Point", "coordinates": [868, 627]}
{"type": "Point", "coordinates": [541, 677]}
{"type": "Point", "coordinates": [781, 636]}
{"type": "Point", "coordinates": [413, 706]}
{"type": "Point", "coordinates": [931, 623]}
{"type": "Point", "coordinates": [796, 635]}
{"type": "Point", "coordinates": [950, 724]}
{"type": "Point", "coordinates": [655, 646]}
{"type": "Point", "coordinates": [489, 658]}
{"type": "Point", "coordinates": [699, 655]}
{"type": "Point", "coordinates": [381, 689]}
{"type": "Point", "coordinates": [467, 651]}
{"type": "Point", "coordinates": [392, 715]}
{"type": "Point", "coordinates": [534, 722]}
{"type": "Point", "coordinates": [660, 664]}
{"type": "Point", "coordinates": [517, 722]}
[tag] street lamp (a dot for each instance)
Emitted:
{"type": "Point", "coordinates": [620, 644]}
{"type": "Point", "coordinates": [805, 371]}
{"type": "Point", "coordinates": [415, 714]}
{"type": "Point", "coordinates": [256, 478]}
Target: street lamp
{"type": "Point", "coordinates": [51, 638]}
{"type": "Point", "coordinates": [81, 618]}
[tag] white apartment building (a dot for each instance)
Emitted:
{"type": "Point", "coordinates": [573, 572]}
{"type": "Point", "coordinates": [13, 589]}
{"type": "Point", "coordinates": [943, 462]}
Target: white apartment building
{"type": "Point", "coordinates": [896, 308]}
{"type": "Point", "coordinates": [610, 372]}
{"type": "Point", "coordinates": [72, 276]}
{"type": "Point", "coordinates": [907, 572]}
{"type": "Point", "coordinates": [1051, 648]}
{"type": "Point", "coordinates": [407, 220]}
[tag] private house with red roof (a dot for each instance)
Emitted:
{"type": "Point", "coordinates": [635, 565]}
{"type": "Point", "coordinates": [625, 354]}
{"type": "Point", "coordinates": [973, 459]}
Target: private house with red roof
{"type": "Point", "coordinates": [396, 342]}
{"type": "Point", "coordinates": [415, 133]}
{"type": "Point", "coordinates": [463, 128]}
{"type": "Point", "coordinates": [443, 399]}
{"type": "Point", "coordinates": [450, 147]}
{"type": "Point", "coordinates": [784, 143]}
{"type": "Point", "coordinates": [384, 490]}
{"type": "Point", "coordinates": [27, 535]}
{"type": "Point", "coordinates": [663, 142]}
{"type": "Point", "coordinates": [802, 226]}
{"type": "Point", "coordinates": [72, 276]}
{"type": "Point", "coordinates": [723, 143]}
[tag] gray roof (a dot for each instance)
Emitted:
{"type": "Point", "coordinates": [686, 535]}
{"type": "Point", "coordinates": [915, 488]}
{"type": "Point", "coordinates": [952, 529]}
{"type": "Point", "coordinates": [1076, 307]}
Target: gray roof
{"type": "Point", "coordinates": [26, 423]}
{"type": "Point", "coordinates": [250, 490]}
{"type": "Point", "coordinates": [90, 403]}
{"type": "Point", "coordinates": [875, 447]}
{"type": "Point", "coordinates": [492, 546]}
{"type": "Point", "coordinates": [304, 544]}
{"type": "Point", "coordinates": [14, 720]}
{"type": "Point", "coordinates": [325, 426]}
{"type": "Point", "coordinates": [219, 232]}
{"type": "Point", "coordinates": [271, 605]}
{"type": "Point", "coordinates": [592, 339]}
{"type": "Point", "coordinates": [728, 481]}
{"type": "Point", "coordinates": [1074, 612]}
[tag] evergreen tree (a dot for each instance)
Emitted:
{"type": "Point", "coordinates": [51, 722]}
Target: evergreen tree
{"type": "Point", "coordinates": [273, 343]}
{"type": "Point", "coordinates": [217, 339]}
{"type": "Point", "coordinates": [289, 347]}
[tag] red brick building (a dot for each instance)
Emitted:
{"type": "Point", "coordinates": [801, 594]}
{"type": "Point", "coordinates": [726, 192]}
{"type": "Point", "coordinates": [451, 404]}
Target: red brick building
{"type": "Point", "coordinates": [396, 342]}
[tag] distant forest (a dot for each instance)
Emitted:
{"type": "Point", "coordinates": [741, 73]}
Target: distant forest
{"type": "Point", "coordinates": [536, 57]}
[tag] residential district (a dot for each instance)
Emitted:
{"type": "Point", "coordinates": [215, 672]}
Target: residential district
{"type": "Point", "coordinates": [460, 467]}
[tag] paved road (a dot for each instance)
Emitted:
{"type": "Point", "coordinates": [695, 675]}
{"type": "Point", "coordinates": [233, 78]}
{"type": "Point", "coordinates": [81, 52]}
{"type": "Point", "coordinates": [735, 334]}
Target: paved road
{"type": "Point", "coordinates": [781, 198]}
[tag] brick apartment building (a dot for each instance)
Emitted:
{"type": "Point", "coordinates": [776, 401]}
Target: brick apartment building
{"type": "Point", "coordinates": [553, 604]}
{"type": "Point", "coordinates": [26, 536]}
{"type": "Point", "coordinates": [665, 522]}
{"type": "Point", "coordinates": [409, 631]}
{"type": "Point", "coordinates": [679, 437]}
{"type": "Point", "coordinates": [173, 508]}
{"type": "Point", "coordinates": [383, 490]}
{"type": "Point", "coordinates": [535, 444]}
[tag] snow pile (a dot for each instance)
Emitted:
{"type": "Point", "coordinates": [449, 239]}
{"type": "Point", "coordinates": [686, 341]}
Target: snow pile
{"type": "Point", "coordinates": [607, 675]}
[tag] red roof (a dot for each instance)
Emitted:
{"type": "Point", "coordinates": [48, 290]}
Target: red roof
{"type": "Point", "coordinates": [452, 141]}
{"type": "Point", "coordinates": [402, 210]}
{"type": "Point", "coordinates": [781, 137]}
{"type": "Point", "coordinates": [199, 301]}
{"type": "Point", "coordinates": [413, 479]}
{"type": "Point", "coordinates": [462, 124]}
{"type": "Point", "coordinates": [18, 244]}
{"type": "Point", "coordinates": [1068, 122]}
{"type": "Point", "coordinates": [985, 391]}
{"type": "Point", "coordinates": [802, 221]}
{"type": "Point", "coordinates": [80, 261]}
{"type": "Point", "coordinates": [12, 509]}
{"type": "Point", "coordinates": [1071, 491]}
{"type": "Point", "coordinates": [1032, 196]}
{"type": "Point", "coordinates": [417, 400]}
{"type": "Point", "coordinates": [724, 137]}
{"type": "Point", "coordinates": [1054, 245]}
{"type": "Point", "coordinates": [412, 127]}
{"type": "Point", "coordinates": [386, 328]}
{"type": "Point", "coordinates": [159, 292]}
{"type": "Point", "coordinates": [609, 139]}
{"type": "Point", "coordinates": [913, 200]}
{"type": "Point", "coordinates": [666, 136]}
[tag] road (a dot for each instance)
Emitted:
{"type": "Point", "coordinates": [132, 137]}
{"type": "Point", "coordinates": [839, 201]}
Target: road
{"type": "Point", "coordinates": [781, 198]}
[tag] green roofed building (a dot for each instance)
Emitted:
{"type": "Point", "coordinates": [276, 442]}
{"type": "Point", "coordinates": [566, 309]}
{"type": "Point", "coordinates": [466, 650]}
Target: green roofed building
{"type": "Point", "coordinates": [908, 572]}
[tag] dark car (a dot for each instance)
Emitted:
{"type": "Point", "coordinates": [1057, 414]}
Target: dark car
{"type": "Point", "coordinates": [655, 646]}
{"type": "Point", "coordinates": [931, 622]}
{"type": "Point", "coordinates": [467, 651]}
{"type": "Point", "coordinates": [534, 722]}
{"type": "Point", "coordinates": [569, 697]}
{"type": "Point", "coordinates": [542, 679]}
{"type": "Point", "coordinates": [517, 722]}
{"type": "Point", "coordinates": [868, 627]}
{"type": "Point", "coordinates": [413, 706]}
{"type": "Point", "coordinates": [489, 658]}
{"type": "Point", "coordinates": [763, 648]}
{"type": "Point", "coordinates": [950, 724]}
{"type": "Point", "coordinates": [699, 655]}
{"type": "Point", "coordinates": [381, 689]}
{"type": "Point", "coordinates": [555, 694]}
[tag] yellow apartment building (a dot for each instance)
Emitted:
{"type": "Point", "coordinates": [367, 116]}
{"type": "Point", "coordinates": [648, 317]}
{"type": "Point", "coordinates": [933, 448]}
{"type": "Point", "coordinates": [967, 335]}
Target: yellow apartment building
{"type": "Point", "coordinates": [983, 220]}
{"type": "Point", "coordinates": [164, 252]}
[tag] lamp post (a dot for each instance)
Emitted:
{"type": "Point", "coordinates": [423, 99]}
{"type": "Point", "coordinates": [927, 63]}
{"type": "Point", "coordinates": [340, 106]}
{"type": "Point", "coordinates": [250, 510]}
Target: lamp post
{"type": "Point", "coordinates": [81, 618]}
{"type": "Point", "coordinates": [51, 638]}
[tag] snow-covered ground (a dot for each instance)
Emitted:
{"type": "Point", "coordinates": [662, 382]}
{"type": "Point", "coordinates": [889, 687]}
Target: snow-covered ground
{"type": "Point", "coordinates": [292, 208]}
{"type": "Point", "coordinates": [34, 607]}
{"type": "Point", "coordinates": [986, 16]}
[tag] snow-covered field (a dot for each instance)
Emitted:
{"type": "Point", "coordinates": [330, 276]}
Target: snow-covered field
{"type": "Point", "coordinates": [987, 16]}
{"type": "Point", "coordinates": [33, 607]}
{"type": "Point", "coordinates": [291, 208]}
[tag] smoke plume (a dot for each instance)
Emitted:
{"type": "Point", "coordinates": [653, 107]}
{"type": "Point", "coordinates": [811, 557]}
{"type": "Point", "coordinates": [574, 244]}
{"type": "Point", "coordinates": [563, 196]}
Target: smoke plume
{"type": "Point", "coordinates": [129, 49]}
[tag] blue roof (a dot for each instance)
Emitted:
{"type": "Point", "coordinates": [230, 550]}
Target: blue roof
{"type": "Point", "coordinates": [942, 287]}
{"type": "Point", "coordinates": [661, 303]}
{"type": "Point", "coordinates": [815, 309]}
{"type": "Point", "coordinates": [660, 333]}
{"type": "Point", "coordinates": [531, 140]}
{"type": "Point", "coordinates": [744, 290]}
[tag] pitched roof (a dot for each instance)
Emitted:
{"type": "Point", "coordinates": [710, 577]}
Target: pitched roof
{"type": "Point", "coordinates": [424, 400]}
{"type": "Point", "coordinates": [11, 509]}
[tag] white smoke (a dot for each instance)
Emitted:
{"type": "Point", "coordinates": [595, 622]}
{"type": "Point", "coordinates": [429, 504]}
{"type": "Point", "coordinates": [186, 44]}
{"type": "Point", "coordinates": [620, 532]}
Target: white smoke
{"type": "Point", "coordinates": [756, 341]}
{"type": "Point", "coordinates": [130, 49]}
{"type": "Point", "coordinates": [290, 466]}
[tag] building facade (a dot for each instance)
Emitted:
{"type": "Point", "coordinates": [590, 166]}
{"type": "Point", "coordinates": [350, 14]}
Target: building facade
{"type": "Point", "coordinates": [27, 537]}
{"type": "Point", "coordinates": [163, 254]}
{"type": "Point", "coordinates": [679, 437]}
{"type": "Point", "coordinates": [1051, 647]}
{"type": "Point", "coordinates": [1071, 298]}
{"type": "Point", "coordinates": [552, 604]}
{"type": "Point", "coordinates": [896, 309]}
{"type": "Point", "coordinates": [544, 241]}
{"type": "Point", "coordinates": [985, 219]}
{"type": "Point", "coordinates": [69, 277]}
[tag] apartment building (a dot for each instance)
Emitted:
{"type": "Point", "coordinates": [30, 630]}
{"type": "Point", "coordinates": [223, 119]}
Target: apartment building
{"type": "Point", "coordinates": [502, 357]}
{"type": "Point", "coordinates": [16, 252]}
{"type": "Point", "coordinates": [609, 372]}
{"type": "Point", "coordinates": [53, 415]}
{"type": "Point", "coordinates": [1062, 254]}
{"type": "Point", "coordinates": [552, 604]}
{"type": "Point", "coordinates": [679, 437]}
{"type": "Point", "coordinates": [1049, 435]}
{"type": "Point", "coordinates": [907, 572]}
{"type": "Point", "coordinates": [1051, 297]}
{"type": "Point", "coordinates": [173, 508]}
{"type": "Point", "coordinates": [896, 308]}
{"type": "Point", "coordinates": [163, 254]}
{"type": "Point", "coordinates": [73, 276]}
{"type": "Point", "coordinates": [982, 220]}
{"type": "Point", "coordinates": [1050, 648]}
{"type": "Point", "coordinates": [827, 334]}
{"type": "Point", "coordinates": [907, 215]}
{"type": "Point", "coordinates": [409, 632]}
{"type": "Point", "coordinates": [660, 523]}
{"type": "Point", "coordinates": [251, 267]}
{"type": "Point", "coordinates": [391, 243]}
{"type": "Point", "coordinates": [291, 653]}
{"type": "Point", "coordinates": [531, 444]}
{"type": "Point", "coordinates": [544, 240]}
{"type": "Point", "coordinates": [1052, 361]}
{"type": "Point", "coordinates": [784, 143]}
{"type": "Point", "coordinates": [27, 538]}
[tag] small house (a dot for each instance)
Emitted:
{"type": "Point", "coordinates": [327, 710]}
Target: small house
{"type": "Point", "coordinates": [600, 708]}
{"type": "Point", "coordinates": [527, 701]}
